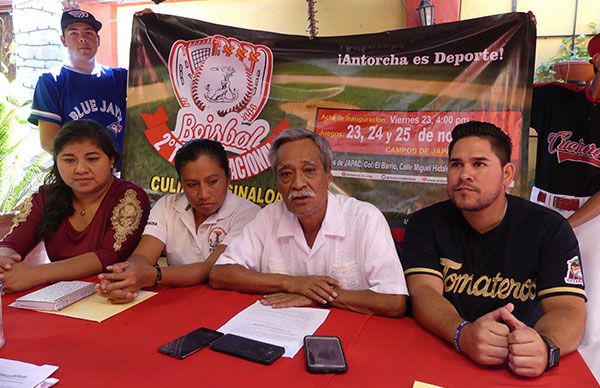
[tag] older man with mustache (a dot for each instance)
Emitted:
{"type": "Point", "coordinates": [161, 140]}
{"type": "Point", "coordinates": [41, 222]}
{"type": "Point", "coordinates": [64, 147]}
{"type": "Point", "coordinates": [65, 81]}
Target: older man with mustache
{"type": "Point", "coordinates": [315, 248]}
{"type": "Point", "coordinates": [495, 275]}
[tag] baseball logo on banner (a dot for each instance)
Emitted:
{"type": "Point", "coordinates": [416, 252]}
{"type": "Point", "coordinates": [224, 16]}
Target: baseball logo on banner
{"type": "Point", "coordinates": [221, 85]}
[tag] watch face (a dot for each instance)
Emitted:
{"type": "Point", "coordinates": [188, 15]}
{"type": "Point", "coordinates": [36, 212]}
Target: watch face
{"type": "Point", "coordinates": [553, 353]}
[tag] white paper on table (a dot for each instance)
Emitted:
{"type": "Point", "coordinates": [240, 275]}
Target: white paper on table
{"type": "Point", "coordinates": [420, 384]}
{"type": "Point", "coordinates": [50, 381]}
{"type": "Point", "coordinates": [284, 327]}
{"type": "Point", "coordinates": [18, 374]}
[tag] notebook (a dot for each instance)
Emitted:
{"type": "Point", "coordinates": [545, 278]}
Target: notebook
{"type": "Point", "coordinates": [56, 296]}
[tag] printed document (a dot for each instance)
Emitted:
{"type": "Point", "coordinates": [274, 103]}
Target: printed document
{"type": "Point", "coordinates": [284, 327]}
{"type": "Point", "coordinates": [17, 374]}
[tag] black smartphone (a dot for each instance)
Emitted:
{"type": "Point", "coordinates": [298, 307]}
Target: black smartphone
{"type": "Point", "coordinates": [247, 348]}
{"type": "Point", "coordinates": [324, 354]}
{"type": "Point", "coordinates": [190, 343]}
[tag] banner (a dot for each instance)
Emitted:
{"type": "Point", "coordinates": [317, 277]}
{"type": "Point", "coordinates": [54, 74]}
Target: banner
{"type": "Point", "coordinates": [386, 102]}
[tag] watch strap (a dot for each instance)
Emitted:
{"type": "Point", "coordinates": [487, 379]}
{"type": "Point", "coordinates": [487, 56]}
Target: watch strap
{"type": "Point", "coordinates": [158, 274]}
{"type": "Point", "coordinates": [553, 352]}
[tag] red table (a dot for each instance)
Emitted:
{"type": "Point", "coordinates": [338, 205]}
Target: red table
{"type": "Point", "coordinates": [121, 351]}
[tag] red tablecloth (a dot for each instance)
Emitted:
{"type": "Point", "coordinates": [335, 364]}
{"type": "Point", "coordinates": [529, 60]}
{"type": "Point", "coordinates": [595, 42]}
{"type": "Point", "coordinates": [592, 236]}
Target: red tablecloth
{"type": "Point", "coordinates": [121, 351]}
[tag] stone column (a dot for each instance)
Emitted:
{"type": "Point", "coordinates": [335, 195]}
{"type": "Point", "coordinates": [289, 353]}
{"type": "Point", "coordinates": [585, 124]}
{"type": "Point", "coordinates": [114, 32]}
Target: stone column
{"type": "Point", "coordinates": [36, 25]}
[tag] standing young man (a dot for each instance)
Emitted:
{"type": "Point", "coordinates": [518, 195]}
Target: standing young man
{"type": "Point", "coordinates": [81, 88]}
{"type": "Point", "coordinates": [493, 274]}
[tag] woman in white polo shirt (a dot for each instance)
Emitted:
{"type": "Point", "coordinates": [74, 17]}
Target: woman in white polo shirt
{"type": "Point", "coordinates": [193, 228]}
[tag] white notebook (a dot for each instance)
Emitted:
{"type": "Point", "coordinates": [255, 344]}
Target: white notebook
{"type": "Point", "coordinates": [56, 296]}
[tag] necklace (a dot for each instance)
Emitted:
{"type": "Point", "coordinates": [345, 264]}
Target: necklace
{"type": "Point", "coordinates": [83, 212]}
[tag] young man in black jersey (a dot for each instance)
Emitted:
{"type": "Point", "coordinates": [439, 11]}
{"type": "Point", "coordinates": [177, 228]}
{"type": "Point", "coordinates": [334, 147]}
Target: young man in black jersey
{"type": "Point", "coordinates": [495, 275]}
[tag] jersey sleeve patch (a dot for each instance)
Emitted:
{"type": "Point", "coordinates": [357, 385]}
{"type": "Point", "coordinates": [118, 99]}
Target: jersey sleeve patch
{"type": "Point", "coordinates": [574, 274]}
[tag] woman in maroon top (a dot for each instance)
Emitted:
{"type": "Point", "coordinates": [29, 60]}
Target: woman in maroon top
{"type": "Point", "coordinates": [87, 218]}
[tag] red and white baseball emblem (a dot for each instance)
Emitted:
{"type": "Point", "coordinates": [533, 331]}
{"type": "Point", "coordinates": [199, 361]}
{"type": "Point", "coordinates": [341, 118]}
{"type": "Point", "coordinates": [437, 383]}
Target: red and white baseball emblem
{"type": "Point", "coordinates": [574, 273]}
{"type": "Point", "coordinates": [222, 75]}
{"type": "Point", "coordinates": [222, 84]}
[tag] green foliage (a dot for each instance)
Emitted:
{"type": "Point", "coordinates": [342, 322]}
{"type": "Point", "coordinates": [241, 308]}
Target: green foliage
{"type": "Point", "coordinates": [545, 71]}
{"type": "Point", "coordinates": [20, 174]}
{"type": "Point", "coordinates": [32, 177]}
{"type": "Point", "coordinates": [11, 115]}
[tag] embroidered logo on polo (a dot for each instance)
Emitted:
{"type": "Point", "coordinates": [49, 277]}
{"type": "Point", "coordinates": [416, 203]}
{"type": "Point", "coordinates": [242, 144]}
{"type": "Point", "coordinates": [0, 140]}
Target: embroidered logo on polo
{"type": "Point", "coordinates": [574, 274]}
{"type": "Point", "coordinates": [559, 143]}
{"type": "Point", "coordinates": [498, 286]}
{"type": "Point", "coordinates": [215, 237]}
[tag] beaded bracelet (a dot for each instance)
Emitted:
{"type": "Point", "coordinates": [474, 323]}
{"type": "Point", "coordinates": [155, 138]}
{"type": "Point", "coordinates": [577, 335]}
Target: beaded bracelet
{"type": "Point", "coordinates": [459, 329]}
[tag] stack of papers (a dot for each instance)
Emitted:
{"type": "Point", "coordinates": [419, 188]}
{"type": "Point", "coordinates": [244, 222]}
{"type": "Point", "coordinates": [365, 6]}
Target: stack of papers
{"type": "Point", "coordinates": [17, 374]}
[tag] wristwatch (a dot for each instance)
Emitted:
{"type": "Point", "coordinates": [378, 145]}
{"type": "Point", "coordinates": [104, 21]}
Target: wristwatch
{"type": "Point", "coordinates": [158, 275]}
{"type": "Point", "coordinates": [553, 353]}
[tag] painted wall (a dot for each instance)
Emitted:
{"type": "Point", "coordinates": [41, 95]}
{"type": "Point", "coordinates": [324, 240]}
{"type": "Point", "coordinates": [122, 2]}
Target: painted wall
{"type": "Point", "coordinates": [445, 11]}
{"type": "Point", "coordinates": [335, 17]}
{"type": "Point", "coordinates": [343, 17]}
{"type": "Point", "coordinates": [554, 19]}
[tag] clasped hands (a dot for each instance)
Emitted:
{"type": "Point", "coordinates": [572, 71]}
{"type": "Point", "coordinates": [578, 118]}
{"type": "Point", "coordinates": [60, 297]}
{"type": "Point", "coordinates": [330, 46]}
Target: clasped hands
{"type": "Point", "coordinates": [499, 336]}
{"type": "Point", "coordinates": [124, 281]}
{"type": "Point", "coordinates": [14, 275]}
{"type": "Point", "coordinates": [304, 291]}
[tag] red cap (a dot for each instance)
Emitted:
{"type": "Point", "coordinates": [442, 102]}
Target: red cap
{"type": "Point", "coordinates": [594, 45]}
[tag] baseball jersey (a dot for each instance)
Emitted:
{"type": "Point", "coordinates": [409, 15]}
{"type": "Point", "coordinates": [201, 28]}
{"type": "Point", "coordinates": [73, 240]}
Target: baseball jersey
{"type": "Point", "coordinates": [567, 121]}
{"type": "Point", "coordinates": [532, 254]}
{"type": "Point", "coordinates": [67, 94]}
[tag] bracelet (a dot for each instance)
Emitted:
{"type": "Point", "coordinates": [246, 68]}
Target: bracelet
{"type": "Point", "coordinates": [158, 275]}
{"type": "Point", "coordinates": [459, 329]}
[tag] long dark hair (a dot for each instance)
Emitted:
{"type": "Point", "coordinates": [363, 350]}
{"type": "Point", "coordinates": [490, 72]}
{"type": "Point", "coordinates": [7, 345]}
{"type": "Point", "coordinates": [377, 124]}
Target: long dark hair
{"type": "Point", "coordinates": [195, 148]}
{"type": "Point", "coordinates": [60, 196]}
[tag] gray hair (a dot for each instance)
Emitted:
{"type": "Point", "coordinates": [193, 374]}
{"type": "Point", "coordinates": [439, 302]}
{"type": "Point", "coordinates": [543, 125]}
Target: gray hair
{"type": "Point", "coordinates": [292, 134]}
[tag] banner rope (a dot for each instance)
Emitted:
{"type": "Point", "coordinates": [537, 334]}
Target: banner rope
{"type": "Point", "coordinates": [313, 30]}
